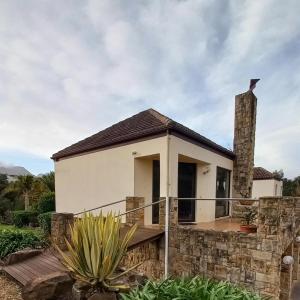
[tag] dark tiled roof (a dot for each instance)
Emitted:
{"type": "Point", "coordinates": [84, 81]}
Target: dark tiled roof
{"type": "Point", "coordinates": [260, 173]}
{"type": "Point", "coordinates": [144, 124]}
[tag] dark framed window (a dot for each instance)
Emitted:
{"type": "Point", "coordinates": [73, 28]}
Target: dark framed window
{"type": "Point", "coordinates": [187, 180]}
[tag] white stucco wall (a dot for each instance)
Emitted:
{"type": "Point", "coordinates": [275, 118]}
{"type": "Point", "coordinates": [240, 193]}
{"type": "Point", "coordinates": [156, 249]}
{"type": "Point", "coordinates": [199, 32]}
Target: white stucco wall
{"type": "Point", "coordinates": [94, 179]}
{"type": "Point", "coordinates": [269, 187]}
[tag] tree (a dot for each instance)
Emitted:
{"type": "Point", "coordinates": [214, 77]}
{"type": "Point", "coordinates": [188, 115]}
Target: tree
{"type": "Point", "coordinates": [278, 174]}
{"type": "Point", "coordinates": [291, 187]}
{"type": "Point", "coordinates": [49, 181]}
{"type": "Point", "coordinates": [3, 182]}
{"type": "Point", "coordinates": [23, 186]}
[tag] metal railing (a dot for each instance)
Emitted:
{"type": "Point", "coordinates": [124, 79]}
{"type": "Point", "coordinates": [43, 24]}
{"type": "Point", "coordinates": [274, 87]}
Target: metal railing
{"type": "Point", "coordinates": [164, 199]}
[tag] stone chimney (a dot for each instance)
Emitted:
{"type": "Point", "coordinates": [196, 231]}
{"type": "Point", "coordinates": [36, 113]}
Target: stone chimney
{"type": "Point", "coordinates": [244, 142]}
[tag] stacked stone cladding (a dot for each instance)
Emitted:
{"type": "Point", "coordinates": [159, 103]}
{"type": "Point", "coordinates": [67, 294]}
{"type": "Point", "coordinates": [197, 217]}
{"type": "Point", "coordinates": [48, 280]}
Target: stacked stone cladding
{"type": "Point", "coordinates": [244, 143]}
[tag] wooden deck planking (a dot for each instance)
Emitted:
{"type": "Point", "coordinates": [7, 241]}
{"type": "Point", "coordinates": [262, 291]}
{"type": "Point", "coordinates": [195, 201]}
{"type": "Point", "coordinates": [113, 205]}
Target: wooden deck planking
{"type": "Point", "coordinates": [46, 263]}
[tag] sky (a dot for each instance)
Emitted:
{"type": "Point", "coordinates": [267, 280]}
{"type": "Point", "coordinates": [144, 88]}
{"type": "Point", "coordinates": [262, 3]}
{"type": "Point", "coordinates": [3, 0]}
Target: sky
{"type": "Point", "coordinates": [71, 68]}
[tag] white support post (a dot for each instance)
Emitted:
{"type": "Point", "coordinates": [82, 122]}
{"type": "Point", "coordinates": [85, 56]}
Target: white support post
{"type": "Point", "coordinates": [167, 212]}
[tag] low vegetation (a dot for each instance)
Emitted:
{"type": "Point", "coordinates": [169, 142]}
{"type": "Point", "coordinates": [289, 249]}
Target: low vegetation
{"type": "Point", "coordinates": [22, 218]}
{"type": "Point", "coordinates": [45, 222]}
{"type": "Point", "coordinates": [189, 289]}
{"type": "Point", "coordinates": [12, 240]}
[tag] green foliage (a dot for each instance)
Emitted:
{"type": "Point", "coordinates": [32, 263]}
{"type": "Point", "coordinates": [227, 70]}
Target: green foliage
{"type": "Point", "coordinates": [45, 222]}
{"type": "Point", "coordinates": [96, 249]}
{"type": "Point", "coordinates": [15, 240]}
{"type": "Point", "coordinates": [49, 181]}
{"type": "Point", "coordinates": [249, 216]}
{"type": "Point", "coordinates": [192, 289]}
{"type": "Point", "coordinates": [3, 182]}
{"type": "Point", "coordinates": [22, 218]}
{"type": "Point", "coordinates": [291, 187]}
{"type": "Point", "coordinates": [46, 203]}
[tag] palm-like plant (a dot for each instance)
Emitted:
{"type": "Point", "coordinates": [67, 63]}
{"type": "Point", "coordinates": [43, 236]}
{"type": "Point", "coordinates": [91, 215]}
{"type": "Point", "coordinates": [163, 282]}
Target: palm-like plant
{"type": "Point", "coordinates": [23, 186]}
{"type": "Point", "coordinates": [96, 249]}
{"type": "Point", "coordinates": [49, 181]}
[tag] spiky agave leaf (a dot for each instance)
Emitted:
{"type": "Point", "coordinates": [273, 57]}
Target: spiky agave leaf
{"type": "Point", "coordinates": [96, 248]}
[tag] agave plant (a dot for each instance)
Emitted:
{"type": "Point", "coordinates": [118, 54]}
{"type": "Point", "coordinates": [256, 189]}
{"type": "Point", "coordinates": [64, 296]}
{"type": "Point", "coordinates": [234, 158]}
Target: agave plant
{"type": "Point", "coordinates": [96, 249]}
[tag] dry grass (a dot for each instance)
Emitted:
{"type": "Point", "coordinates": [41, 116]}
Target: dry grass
{"type": "Point", "coordinates": [9, 290]}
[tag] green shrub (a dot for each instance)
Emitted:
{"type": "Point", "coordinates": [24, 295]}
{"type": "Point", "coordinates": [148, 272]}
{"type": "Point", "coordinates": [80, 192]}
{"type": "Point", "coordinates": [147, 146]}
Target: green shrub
{"type": "Point", "coordinates": [23, 218]}
{"type": "Point", "coordinates": [46, 203]}
{"type": "Point", "coordinates": [192, 289]}
{"type": "Point", "coordinates": [45, 222]}
{"type": "Point", "coordinates": [15, 240]}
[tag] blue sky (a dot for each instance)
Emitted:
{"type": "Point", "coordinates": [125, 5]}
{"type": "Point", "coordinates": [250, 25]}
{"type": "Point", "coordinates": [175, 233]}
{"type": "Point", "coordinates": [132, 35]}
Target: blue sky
{"type": "Point", "coordinates": [71, 68]}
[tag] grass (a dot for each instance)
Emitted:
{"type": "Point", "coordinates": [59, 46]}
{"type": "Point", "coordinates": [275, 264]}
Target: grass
{"type": "Point", "coordinates": [23, 229]}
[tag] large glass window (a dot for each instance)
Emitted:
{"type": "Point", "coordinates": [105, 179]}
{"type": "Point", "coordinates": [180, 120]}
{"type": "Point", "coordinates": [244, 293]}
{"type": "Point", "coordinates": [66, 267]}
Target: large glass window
{"type": "Point", "coordinates": [222, 191]}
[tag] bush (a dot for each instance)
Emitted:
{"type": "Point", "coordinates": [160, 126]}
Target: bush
{"type": "Point", "coordinates": [23, 218]}
{"type": "Point", "coordinates": [192, 289]}
{"type": "Point", "coordinates": [46, 203]}
{"type": "Point", "coordinates": [15, 240]}
{"type": "Point", "coordinates": [45, 222]}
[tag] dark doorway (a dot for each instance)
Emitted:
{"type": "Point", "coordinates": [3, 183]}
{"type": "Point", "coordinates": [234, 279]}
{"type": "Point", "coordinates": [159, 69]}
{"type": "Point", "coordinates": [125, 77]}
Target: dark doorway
{"type": "Point", "coordinates": [222, 191]}
{"type": "Point", "coordinates": [186, 189]}
{"type": "Point", "coordinates": [155, 191]}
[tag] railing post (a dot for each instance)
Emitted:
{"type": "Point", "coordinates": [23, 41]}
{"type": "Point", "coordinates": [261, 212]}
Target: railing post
{"type": "Point", "coordinates": [167, 212]}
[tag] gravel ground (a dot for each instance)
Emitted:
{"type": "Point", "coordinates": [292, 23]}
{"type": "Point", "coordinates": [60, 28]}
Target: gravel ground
{"type": "Point", "coordinates": [9, 290]}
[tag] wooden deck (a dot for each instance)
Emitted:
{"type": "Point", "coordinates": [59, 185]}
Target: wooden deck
{"type": "Point", "coordinates": [47, 263]}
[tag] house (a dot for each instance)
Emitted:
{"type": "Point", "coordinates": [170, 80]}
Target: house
{"type": "Point", "coordinates": [12, 172]}
{"type": "Point", "coordinates": [152, 156]}
{"type": "Point", "coordinates": [265, 183]}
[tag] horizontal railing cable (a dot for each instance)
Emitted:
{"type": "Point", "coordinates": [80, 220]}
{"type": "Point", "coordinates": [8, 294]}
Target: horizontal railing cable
{"type": "Point", "coordinates": [99, 207]}
{"type": "Point", "coordinates": [144, 206]}
{"type": "Point", "coordinates": [222, 199]}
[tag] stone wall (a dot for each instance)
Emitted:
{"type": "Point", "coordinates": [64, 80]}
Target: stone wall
{"type": "Point", "coordinates": [136, 217]}
{"type": "Point", "coordinates": [150, 256]}
{"type": "Point", "coordinates": [237, 257]}
{"type": "Point", "coordinates": [253, 260]}
{"type": "Point", "coordinates": [244, 142]}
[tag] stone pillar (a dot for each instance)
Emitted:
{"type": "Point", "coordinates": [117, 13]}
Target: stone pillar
{"type": "Point", "coordinates": [60, 228]}
{"type": "Point", "coordinates": [138, 216]}
{"type": "Point", "coordinates": [244, 142]}
{"type": "Point", "coordinates": [173, 212]}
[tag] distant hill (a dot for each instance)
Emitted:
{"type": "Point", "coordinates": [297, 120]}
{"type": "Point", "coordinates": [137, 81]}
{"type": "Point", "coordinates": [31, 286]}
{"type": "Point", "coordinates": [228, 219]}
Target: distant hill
{"type": "Point", "coordinates": [13, 170]}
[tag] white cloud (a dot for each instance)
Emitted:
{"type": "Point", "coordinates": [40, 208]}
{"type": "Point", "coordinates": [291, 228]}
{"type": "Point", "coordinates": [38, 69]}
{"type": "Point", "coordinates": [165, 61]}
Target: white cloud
{"type": "Point", "coordinates": [69, 69]}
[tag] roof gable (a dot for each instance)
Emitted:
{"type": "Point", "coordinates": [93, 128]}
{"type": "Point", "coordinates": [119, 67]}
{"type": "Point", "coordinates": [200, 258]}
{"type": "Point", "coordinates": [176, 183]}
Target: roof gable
{"type": "Point", "coordinates": [144, 124]}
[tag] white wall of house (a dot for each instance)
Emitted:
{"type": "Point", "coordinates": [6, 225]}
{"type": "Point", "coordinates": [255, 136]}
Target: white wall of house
{"type": "Point", "coordinates": [94, 179]}
{"type": "Point", "coordinates": [86, 181]}
{"type": "Point", "coordinates": [207, 163]}
{"type": "Point", "coordinates": [268, 187]}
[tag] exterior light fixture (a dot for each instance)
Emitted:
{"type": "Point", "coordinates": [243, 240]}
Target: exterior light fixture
{"type": "Point", "coordinates": [134, 153]}
{"type": "Point", "coordinates": [298, 239]}
{"type": "Point", "coordinates": [288, 260]}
